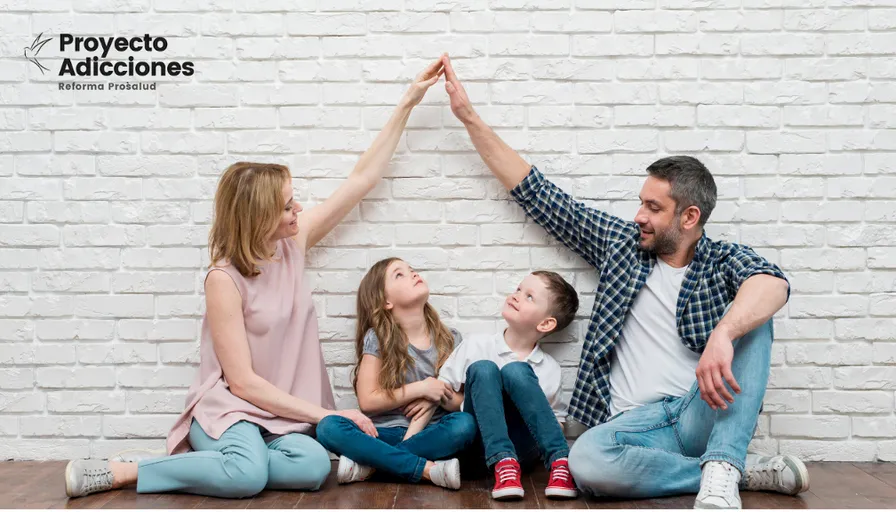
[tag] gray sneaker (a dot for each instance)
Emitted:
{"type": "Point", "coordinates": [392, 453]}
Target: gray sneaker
{"type": "Point", "coordinates": [134, 456]}
{"type": "Point", "coordinates": [87, 476]}
{"type": "Point", "coordinates": [780, 473]}
{"type": "Point", "coordinates": [446, 473]}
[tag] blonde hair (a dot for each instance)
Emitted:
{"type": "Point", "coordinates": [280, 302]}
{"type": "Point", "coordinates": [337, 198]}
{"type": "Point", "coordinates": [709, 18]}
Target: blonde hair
{"type": "Point", "coordinates": [248, 206]}
{"type": "Point", "coordinates": [393, 342]}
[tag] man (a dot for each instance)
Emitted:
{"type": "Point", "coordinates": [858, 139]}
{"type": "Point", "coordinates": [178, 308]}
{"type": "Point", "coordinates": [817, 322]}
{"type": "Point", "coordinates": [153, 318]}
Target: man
{"type": "Point", "coordinates": [670, 303]}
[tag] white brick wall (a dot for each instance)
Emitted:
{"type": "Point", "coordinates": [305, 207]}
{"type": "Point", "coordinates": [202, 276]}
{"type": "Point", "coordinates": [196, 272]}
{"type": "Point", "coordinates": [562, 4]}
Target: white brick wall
{"type": "Point", "coordinates": [105, 197]}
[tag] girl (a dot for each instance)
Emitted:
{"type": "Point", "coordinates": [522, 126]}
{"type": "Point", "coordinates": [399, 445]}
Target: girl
{"type": "Point", "coordinates": [400, 345]}
{"type": "Point", "coordinates": [261, 384]}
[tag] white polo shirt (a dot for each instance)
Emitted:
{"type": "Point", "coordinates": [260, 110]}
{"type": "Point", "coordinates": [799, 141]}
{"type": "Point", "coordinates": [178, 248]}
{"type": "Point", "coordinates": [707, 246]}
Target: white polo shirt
{"type": "Point", "coordinates": [492, 347]}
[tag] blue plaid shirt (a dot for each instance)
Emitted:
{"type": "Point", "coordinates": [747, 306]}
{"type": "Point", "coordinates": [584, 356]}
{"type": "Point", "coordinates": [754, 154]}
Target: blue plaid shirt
{"type": "Point", "coordinates": [610, 245]}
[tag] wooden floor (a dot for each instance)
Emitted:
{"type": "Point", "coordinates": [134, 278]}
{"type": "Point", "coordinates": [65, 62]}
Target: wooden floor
{"type": "Point", "coordinates": [833, 485]}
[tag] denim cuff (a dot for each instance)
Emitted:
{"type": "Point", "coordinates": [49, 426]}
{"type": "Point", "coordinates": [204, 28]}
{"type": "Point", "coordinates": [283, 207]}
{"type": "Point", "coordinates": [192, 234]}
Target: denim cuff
{"type": "Point", "coordinates": [561, 454]}
{"type": "Point", "coordinates": [723, 457]}
{"type": "Point", "coordinates": [418, 470]}
{"type": "Point", "coordinates": [494, 459]}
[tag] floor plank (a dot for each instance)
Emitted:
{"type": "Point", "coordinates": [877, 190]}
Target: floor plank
{"type": "Point", "coordinates": [842, 485]}
{"type": "Point", "coordinates": [40, 485]}
{"type": "Point", "coordinates": [886, 473]}
{"type": "Point", "coordinates": [276, 499]}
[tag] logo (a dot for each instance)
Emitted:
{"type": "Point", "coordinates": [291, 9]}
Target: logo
{"type": "Point", "coordinates": [35, 48]}
{"type": "Point", "coordinates": [110, 57]}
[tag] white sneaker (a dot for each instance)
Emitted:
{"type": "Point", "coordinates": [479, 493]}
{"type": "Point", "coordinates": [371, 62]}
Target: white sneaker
{"type": "Point", "coordinates": [87, 476]}
{"type": "Point", "coordinates": [718, 486]}
{"type": "Point", "coordinates": [446, 473]}
{"type": "Point", "coordinates": [350, 471]}
{"type": "Point", "coordinates": [780, 473]}
{"type": "Point", "coordinates": [134, 456]}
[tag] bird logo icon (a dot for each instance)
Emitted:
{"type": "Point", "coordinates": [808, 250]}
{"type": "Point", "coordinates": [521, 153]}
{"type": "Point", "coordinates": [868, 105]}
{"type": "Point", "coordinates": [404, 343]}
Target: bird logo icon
{"type": "Point", "coordinates": [32, 51]}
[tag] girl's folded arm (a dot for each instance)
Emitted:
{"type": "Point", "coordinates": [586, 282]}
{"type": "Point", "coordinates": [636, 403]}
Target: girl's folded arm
{"type": "Point", "coordinates": [372, 399]}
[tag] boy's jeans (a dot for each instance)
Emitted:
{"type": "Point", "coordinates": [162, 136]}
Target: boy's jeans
{"type": "Point", "coordinates": [406, 459]}
{"type": "Point", "coordinates": [514, 417]}
{"type": "Point", "coordinates": [658, 449]}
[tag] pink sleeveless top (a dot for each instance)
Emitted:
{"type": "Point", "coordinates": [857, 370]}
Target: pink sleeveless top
{"type": "Point", "coordinates": [281, 327]}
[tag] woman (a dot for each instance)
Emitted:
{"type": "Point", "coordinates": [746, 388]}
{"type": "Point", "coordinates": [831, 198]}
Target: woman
{"type": "Point", "coordinates": [262, 383]}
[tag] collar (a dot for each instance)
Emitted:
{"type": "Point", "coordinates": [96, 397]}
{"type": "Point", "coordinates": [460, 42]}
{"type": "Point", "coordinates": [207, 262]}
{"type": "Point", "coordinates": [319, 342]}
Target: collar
{"type": "Point", "coordinates": [535, 357]}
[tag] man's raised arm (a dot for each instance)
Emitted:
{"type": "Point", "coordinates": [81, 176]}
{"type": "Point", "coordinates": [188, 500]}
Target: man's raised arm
{"type": "Point", "coordinates": [584, 230]}
{"type": "Point", "coordinates": [505, 163]}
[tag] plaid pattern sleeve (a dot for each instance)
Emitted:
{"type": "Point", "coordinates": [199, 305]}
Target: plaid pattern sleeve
{"type": "Point", "coordinates": [742, 263]}
{"type": "Point", "coordinates": [584, 230]}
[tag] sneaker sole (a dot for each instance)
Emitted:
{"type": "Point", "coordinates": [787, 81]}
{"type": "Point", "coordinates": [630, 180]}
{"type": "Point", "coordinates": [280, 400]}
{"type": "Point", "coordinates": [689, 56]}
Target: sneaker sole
{"type": "Point", "coordinates": [802, 473]}
{"type": "Point", "coordinates": [68, 480]}
{"type": "Point", "coordinates": [560, 493]}
{"type": "Point", "coordinates": [122, 455]}
{"type": "Point", "coordinates": [509, 494]}
{"type": "Point", "coordinates": [710, 506]}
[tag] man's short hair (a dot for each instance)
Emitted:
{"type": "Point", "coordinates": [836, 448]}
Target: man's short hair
{"type": "Point", "coordinates": [565, 301]}
{"type": "Point", "coordinates": [692, 183]}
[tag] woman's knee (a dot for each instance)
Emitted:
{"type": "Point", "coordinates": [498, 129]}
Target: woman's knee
{"type": "Point", "coordinates": [483, 369]}
{"type": "Point", "coordinates": [309, 463]}
{"type": "Point", "coordinates": [247, 474]}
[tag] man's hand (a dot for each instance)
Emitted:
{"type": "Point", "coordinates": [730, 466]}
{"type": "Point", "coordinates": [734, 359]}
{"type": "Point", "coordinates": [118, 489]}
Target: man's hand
{"type": "Point", "coordinates": [460, 102]}
{"type": "Point", "coordinates": [714, 369]}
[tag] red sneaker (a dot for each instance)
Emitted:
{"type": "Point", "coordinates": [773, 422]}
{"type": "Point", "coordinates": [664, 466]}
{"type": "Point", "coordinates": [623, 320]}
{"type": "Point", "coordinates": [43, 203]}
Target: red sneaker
{"type": "Point", "coordinates": [507, 480]}
{"type": "Point", "coordinates": [560, 484]}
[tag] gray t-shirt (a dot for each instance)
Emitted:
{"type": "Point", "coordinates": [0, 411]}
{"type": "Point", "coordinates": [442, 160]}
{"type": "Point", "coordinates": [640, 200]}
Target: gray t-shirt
{"type": "Point", "coordinates": [424, 366]}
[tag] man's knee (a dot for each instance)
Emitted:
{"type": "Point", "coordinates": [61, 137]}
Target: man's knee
{"type": "Point", "coordinates": [593, 462]}
{"type": "Point", "coordinates": [482, 370]}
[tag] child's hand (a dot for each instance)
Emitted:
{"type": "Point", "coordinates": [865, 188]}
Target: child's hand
{"type": "Point", "coordinates": [435, 390]}
{"type": "Point", "coordinates": [418, 408]}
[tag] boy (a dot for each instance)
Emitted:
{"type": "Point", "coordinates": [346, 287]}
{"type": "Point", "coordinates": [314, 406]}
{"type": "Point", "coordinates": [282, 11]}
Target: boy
{"type": "Point", "coordinates": [512, 387]}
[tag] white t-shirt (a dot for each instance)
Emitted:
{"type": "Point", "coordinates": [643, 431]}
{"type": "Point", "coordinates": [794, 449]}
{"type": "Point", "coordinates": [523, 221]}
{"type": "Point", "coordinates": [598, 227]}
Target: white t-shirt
{"type": "Point", "coordinates": [650, 362]}
{"type": "Point", "coordinates": [492, 347]}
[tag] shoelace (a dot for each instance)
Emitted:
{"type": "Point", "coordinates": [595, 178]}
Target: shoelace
{"type": "Point", "coordinates": [560, 473]}
{"type": "Point", "coordinates": [508, 472]}
{"type": "Point", "coordinates": [720, 479]}
{"type": "Point", "coordinates": [764, 475]}
{"type": "Point", "coordinates": [97, 479]}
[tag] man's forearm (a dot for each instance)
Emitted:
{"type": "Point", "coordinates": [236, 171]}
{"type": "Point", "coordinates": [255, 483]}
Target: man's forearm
{"type": "Point", "coordinates": [505, 163]}
{"type": "Point", "coordinates": [757, 300]}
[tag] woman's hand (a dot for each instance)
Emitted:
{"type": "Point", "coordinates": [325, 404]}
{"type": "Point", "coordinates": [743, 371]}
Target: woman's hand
{"type": "Point", "coordinates": [359, 419]}
{"type": "Point", "coordinates": [422, 83]}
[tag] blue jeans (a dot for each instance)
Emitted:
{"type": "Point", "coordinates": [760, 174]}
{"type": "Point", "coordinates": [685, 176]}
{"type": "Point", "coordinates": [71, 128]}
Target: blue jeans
{"type": "Point", "coordinates": [389, 453]}
{"type": "Point", "coordinates": [238, 465]}
{"type": "Point", "coordinates": [658, 449]}
{"type": "Point", "coordinates": [514, 417]}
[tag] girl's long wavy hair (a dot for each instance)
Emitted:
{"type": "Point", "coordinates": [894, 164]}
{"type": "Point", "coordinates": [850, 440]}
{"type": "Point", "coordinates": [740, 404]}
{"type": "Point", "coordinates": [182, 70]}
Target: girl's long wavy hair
{"type": "Point", "coordinates": [393, 343]}
{"type": "Point", "coordinates": [248, 206]}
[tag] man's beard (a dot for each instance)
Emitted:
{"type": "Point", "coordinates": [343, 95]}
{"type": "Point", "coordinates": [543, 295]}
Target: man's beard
{"type": "Point", "coordinates": [666, 241]}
